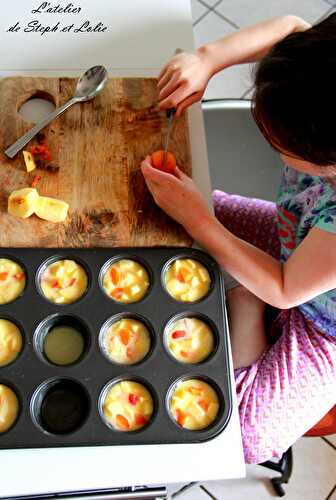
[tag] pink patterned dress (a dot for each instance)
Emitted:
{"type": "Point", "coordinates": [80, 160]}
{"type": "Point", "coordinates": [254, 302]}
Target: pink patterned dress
{"type": "Point", "coordinates": [293, 384]}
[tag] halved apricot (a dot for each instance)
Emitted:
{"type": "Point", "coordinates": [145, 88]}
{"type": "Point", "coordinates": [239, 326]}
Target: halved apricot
{"type": "Point", "coordinates": [165, 164]}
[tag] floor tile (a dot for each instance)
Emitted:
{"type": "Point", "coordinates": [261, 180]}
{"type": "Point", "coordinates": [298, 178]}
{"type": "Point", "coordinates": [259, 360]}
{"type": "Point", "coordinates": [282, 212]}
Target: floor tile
{"type": "Point", "coordinates": [197, 10]}
{"type": "Point", "coordinates": [212, 3]}
{"type": "Point", "coordinates": [255, 486]}
{"type": "Point", "coordinates": [332, 439]}
{"type": "Point", "coordinates": [232, 82]}
{"type": "Point", "coordinates": [331, 2]}
{"type": "Point", "coordinates": [194, 493]}
{"type": "Point", "coordinates": [333, 495]}
{"type": "Point", "coordinates": [247, 12]}
{"type": "Point", "coordinates": [312, 479]}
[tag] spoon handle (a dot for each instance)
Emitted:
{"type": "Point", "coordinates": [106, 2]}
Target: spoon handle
{"type": "Point", "coordinates": [21, 143]}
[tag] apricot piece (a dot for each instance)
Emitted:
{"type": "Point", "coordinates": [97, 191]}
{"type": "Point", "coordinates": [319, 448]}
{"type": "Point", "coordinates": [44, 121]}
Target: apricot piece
{"type": "Point", "coordinates": [167, 164]}
{"type": "Point", "coordinates": [122, 422]}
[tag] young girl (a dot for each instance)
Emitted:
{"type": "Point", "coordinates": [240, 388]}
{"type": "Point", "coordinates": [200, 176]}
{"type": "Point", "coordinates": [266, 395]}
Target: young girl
{"type": "Point", "coordinates": [282, 256]}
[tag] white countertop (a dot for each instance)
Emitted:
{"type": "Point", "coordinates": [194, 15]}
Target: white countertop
{"type": "Point", "coordinates": [142, 34]}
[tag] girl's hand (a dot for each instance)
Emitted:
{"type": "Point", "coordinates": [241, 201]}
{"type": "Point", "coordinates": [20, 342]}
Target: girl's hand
{"type": "Point", "coordinates": [177, 196]}
{"type": "Point", "coordinates": [183, 81]}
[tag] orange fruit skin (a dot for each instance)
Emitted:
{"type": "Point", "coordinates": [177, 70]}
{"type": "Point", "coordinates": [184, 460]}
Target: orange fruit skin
{"type": "Point", "coordinates": [158, 162]}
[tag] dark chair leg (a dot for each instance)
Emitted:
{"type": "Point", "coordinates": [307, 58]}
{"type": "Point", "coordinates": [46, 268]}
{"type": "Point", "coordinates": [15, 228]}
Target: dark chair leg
{"type": "Point", "coordinates": [285, 467]}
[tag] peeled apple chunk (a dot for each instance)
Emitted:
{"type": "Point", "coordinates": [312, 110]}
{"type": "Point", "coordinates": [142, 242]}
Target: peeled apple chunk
{"type": "Point", "coordinates": [51, 209]}
{"type": "Point", "coordinates": [22, 203]}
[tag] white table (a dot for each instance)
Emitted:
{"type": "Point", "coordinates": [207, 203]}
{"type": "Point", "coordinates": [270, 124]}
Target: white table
{"type": "Point", "coordinates": [143, 34]}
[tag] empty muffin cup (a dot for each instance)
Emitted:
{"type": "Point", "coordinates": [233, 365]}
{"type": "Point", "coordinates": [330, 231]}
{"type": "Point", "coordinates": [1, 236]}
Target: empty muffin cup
{"type": "Point", "coordinates": [125, 341]}
{"type": "Point", "coordinates": [10, 342]}
{"type": "Point", "coordinates": [127, 405]}
{"type": "Point", "coordinates": [194, 404]}
{"type": "Point", "coordinates": [62, 340]}
{"type": "Point", "coordinates": [63, 281]}
{"type": "Point", "coordinates": [9, 408]}
{"type": "Point", "coordinates": [187, 280]}
{"type": "Point", "coordinates": [125, 281]}
{"type": "Point", "coordinates": [12, 281]}
{"type": "Point", "coordinates": [189, 340]}
{"type": "Point", "coordinates": [60, 406]}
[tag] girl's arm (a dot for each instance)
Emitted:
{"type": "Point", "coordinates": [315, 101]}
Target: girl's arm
{"type": "Point", "coordinates": [310, 271]}
{"type": "Point", "coordinates": [184, 78]}
{"type": "Point", "coordinates": [250, 44]}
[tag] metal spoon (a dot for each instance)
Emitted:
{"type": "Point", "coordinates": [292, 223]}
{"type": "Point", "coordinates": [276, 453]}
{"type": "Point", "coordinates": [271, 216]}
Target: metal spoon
{"type": "Point", "coordinates": [88, 86]}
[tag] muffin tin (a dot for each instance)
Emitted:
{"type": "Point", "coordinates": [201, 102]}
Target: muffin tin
{"type": "Point", "coordinates": [32, 377]}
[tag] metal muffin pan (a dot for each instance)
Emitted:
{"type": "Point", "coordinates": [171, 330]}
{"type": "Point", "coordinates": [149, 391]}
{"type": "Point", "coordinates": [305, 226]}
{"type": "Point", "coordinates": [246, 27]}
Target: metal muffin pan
{"type": "Point", "coordinates": [30, 374]}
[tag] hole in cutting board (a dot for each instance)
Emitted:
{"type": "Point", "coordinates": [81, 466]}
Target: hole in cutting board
{"type": "Point", "coordinates": [37, 107]}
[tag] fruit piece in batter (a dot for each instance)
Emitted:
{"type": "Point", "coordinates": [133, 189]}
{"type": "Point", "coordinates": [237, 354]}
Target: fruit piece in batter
{"type": "Point", "coordinates": [9, 408]}
{"type": "Point", "coordinates": [126, 281]}
{"type": "Point", "coordinates": [64, 282]}
{"type": "Point", "coordinates": [187, 280]}
{"type": "Point", "coordinates": [127, 341]}
{"type": "Point", "coordinates": [190, 340]}
{"type": "Point", "coordinates": [10, 342]}
{"type": "Point", "coordinates": [128, 406]}
{"type": "Point", "coordinates": [12, 280]}
{"type": "Point", "coordinates": [194, 404]}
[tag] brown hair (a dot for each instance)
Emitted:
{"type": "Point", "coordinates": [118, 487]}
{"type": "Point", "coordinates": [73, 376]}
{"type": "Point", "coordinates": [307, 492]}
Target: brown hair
{"type": "Point", "coordinates": [294, 103]}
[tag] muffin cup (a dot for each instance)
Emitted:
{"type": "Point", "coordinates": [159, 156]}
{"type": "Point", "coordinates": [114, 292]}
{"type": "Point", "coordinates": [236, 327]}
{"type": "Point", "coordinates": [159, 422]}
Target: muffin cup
{"type": "Point", "coordinates": [52, 260]}
{"type": "Point", "coordinates": [56, 320]}
{"type": "Point", "coordinates": [10, 385]}
{"type": "Point", "coordinates": [23, 267]}
{"type": "Point", "coordinates": [60, 406]}
{"type": "Point", "coordinates": [170, 262]}
{"type": "Point", "coordinates": [114, 319]}
{"type": "Point", "coordinates": [202, 318]}
{"type": "Point", "coordinates": [19, 326]}
{"type": "Point", "coordinates": [116, 259]}
{"type": "Point", "coordinates": [103, 395]}
{"type": "Point", "coordinates": [201, 378]}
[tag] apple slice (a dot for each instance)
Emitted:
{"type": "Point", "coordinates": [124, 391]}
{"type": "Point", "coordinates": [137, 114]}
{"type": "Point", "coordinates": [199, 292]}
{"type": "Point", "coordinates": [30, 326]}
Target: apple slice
{"type": "Point", "coordinates": [29, 161]}
{"type": "Point", "coordinates": [51, 209]}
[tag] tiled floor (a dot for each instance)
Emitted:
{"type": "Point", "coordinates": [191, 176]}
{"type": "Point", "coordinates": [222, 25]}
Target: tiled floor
{"type": "Point", "coordinates": [314, 473]}
{"type": "Point", "coordinates": [214, 19]}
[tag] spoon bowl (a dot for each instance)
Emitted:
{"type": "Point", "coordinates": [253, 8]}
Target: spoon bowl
{"type": "Point", "coordinates": [89, 85]}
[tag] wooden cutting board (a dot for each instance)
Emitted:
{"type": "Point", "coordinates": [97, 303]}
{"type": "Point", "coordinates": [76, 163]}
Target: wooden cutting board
{"type": "Point", "coordinates": [98, 146]}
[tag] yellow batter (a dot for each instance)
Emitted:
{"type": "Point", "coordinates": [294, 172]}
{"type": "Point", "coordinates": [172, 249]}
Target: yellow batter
{"type": "Point", "coordinates": [187, 280]}
{"type": "Point", "coordinates": [64, 282]}
{"type": "Point", "coordinates": [128, 406]}
{"type": "Point", "coordinates": [126, 281]}
{"type": "Point", "coordinates": [9, 408]}
{"type": "Point", "coordinates": [127, 341]}
{"type": "Point", "coordinates": [190, 340]}
{"type": "Point", "coordinates": [63, 345]}
{"type": "Point", "coordinates": [194, 404]}
{"type": "Point", "coordinates": [12, 281]}
{"type": "Point", "coordinates": [10, 342]}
